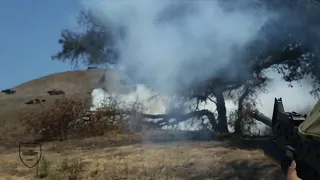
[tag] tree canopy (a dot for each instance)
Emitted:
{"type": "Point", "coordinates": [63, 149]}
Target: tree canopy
{"type": "Point", "coordinates": [288, 45]}
{"type": "Point", "coordinates": [93, 45]}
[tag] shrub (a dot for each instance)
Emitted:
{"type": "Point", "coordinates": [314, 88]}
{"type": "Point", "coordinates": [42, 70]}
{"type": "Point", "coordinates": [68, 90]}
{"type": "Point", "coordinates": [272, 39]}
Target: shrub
{"type": "Point", "coordinates": [68, 116]}
{"type": "Point", "coordinates": [97, 123]}
{"type": "Point", "coordinates": [247, 122]}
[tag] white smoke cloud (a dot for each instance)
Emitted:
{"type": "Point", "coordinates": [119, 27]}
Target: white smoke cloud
{"type": "Point", "coordinates": [152, 102]}
{"type": "Point", "coordinates": [294, 99]}
{"type": "Point", "coordinates": [163, 38]}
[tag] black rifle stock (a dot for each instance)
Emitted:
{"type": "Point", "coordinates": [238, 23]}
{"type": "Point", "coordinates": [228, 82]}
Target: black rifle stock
{"type": "Point", "coordinates": [286, 145]}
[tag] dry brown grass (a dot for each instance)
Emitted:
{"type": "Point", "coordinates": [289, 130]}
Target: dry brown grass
{"type": "Point", "coordinates": [79, 83]}
{"type": "Point", "coordinates": [69, 117]}
{"type": "Point", "coordinates": [94, 159]}
{"type": "Point", "coordinates": [141, 155]}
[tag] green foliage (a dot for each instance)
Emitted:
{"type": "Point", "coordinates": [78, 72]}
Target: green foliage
{"type": "Point", "coordinates": [93, 46]}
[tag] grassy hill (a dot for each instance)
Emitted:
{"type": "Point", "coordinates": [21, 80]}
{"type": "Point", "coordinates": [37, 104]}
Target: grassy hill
{"type": "Point", "coordinates": [145, 155]}
{"type": "Point", "coordinates": [80, 83]}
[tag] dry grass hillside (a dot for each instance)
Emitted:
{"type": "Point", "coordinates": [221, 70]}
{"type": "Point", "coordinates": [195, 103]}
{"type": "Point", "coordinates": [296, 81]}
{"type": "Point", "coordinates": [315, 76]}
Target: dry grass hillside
{"type": "Point", "coordinates": [149, 154]}
{"type": "Point", "coordinates": [11, 106]}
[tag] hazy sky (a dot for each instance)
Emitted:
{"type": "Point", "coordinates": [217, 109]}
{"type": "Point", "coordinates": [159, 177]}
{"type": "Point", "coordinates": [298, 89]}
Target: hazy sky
{"type": "Point", "coordinates": [29, 35]}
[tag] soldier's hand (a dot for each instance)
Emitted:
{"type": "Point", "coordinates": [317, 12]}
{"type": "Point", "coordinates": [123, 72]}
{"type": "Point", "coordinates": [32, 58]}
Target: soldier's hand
{"type": "Point", "coordinates": [292, 173]}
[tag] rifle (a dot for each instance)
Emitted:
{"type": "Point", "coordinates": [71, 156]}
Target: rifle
{"type": "Point", "coordinates": [285, 144]}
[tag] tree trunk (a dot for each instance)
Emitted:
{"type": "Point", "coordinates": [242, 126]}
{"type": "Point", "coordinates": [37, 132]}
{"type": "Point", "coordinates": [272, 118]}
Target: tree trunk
{"type": "Point", "coordinates": [222, 113]}
{"type": "Point", "coordinates": [237, 123]}
{"type": "Point", "coordinates": [183, 117]}
{"type": "Point", "coordinates": [239, 120]}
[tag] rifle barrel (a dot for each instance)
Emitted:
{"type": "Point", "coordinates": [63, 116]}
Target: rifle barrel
{"type": "Point", "coordinates": [262, 118]}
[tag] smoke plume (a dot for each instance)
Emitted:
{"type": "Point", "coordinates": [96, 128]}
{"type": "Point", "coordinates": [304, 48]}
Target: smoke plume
{"type": "Point", "coordinates": [167, 43]}
{"type": "Point", "coordinates": [186, 40]}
